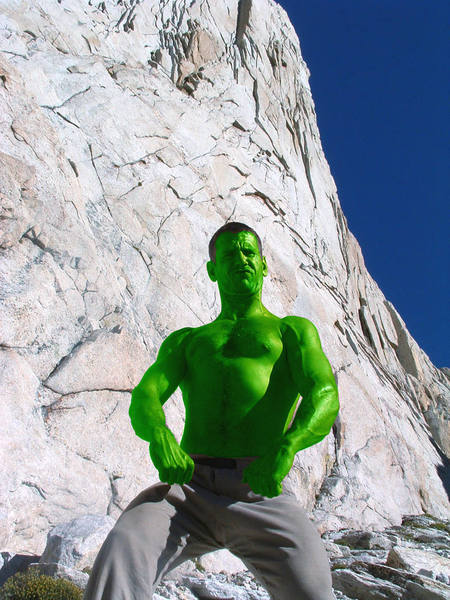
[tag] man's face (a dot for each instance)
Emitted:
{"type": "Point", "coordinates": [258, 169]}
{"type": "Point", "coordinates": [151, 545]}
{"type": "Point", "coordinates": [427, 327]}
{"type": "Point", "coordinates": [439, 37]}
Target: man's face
{"type": "Point", "coordinates": [239, 267]}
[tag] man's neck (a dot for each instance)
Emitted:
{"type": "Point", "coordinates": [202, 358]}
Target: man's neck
{"type": "Point", "coordinates": [241, 307]}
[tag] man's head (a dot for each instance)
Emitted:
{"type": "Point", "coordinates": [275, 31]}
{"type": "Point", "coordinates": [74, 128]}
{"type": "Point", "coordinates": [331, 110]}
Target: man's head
{"type": "Point", "coordinates": [236, 261]}
{"type": "Point", "coordinates": [233, 227]}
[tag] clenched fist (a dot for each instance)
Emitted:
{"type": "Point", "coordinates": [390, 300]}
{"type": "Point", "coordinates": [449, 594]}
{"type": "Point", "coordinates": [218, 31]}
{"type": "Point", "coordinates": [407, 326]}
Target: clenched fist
{"type": "Point", "coordinates": [174, 465]}
{"type": "Point", "coordinates": [265, 474]}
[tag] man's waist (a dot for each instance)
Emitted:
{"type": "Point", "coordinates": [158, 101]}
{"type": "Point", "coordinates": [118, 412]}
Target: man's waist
{"type": "Point", "coordinates": [221, 462]}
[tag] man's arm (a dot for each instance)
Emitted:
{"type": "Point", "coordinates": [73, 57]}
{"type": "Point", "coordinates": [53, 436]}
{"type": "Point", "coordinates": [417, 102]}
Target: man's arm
{"type": "Point", "coordinates": [312, 373]}
{"type": "Point", "coordinates": [147, 416]}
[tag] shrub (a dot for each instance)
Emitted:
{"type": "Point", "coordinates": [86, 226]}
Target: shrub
{"type": "Point", "coordinates": [32, 586]}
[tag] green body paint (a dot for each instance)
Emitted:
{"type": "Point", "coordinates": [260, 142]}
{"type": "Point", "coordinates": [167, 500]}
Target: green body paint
{"type": "Point", "coordinates": [241, 377]}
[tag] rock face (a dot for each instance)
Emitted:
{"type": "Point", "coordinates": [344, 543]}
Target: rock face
{"type": "Point", "coordinates": [76, 544]}
{"type": "Point", "coordinates": [130, 131]}
{"type": "Point", "coordinates": [406, 562]}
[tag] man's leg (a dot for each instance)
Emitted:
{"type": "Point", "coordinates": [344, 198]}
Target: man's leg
{"type": "Point", "coordinates": [276, 540]}
{"type": "Point", "coordinates": [281, 546]}
{"type": "Point", "coordinates": [156, 532]}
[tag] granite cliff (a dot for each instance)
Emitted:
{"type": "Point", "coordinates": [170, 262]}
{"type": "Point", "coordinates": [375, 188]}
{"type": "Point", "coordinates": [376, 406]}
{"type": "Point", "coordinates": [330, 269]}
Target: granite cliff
{"type": "Point", "coordinates": [130, 131]}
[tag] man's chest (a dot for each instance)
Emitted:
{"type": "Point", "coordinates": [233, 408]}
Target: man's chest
{"type": "Point", "coordinates": [224, 341]}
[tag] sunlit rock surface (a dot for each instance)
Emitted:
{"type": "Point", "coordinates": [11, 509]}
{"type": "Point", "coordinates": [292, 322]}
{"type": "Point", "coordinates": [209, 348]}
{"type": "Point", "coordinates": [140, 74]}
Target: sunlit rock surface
{"type": "Point", "coordinates": [404, 562]}
{"type": "Point", "coordinates": [130, 131]}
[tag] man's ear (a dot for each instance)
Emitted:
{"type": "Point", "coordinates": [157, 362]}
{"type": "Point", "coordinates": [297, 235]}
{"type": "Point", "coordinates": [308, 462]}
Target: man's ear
{"type": "Point", "coordinates": [265, 270]}
{"type": "Point", "coordinates": [211, 268]}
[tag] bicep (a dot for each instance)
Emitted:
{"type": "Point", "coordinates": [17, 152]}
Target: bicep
{"type": "Point", "coordinates": [166, 373]}
{"type": "Point", "coordinates": [315, 363]}
{"type": "Point", "coordinates": [159, 380]}
{"type": "Point", "coordinates": [308, 364]}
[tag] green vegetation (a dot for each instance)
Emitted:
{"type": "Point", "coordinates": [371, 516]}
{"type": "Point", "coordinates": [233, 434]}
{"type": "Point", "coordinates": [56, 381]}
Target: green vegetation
{"type": "Point", "coordinates": [32, 586]}
{"type": "Point", "coordinates": [441, 527]}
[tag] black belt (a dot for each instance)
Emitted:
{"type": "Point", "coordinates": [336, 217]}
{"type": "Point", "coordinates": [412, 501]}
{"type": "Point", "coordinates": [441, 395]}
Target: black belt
{"type": "Point", "coordinates": [215, 462]}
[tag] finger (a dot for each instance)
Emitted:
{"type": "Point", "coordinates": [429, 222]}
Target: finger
{"type": "Point", "coordinates": [185, 469]}
{"type": "Point", "coordinates": [252, 482]}
{"type": "Point", "coordinates": [249, 474]}
{"type": "Point", "coordinates": [274, 490]}
{"type": "Point", "coordinates": [171, 466]}
{"type": "Point", "coordinates": [257, 487]}
{"type": "Point", "coordinates": [186, 477]}
{"type": "Point", "coordinates": [168, 476]}
{"type": "Point", "coordinates": [181, 473]}
{"type": "Point", "coordinates": [180, 468]}
{"type": "Point", "coordinates": [189, 471]}
{"type": "Point", "coordinates": [171, 473]}
{"type": "Point", "coordinates": [265, 487]}
{"type": "Point", "coordinates": [174, 473]}
{"type": "Point", "coordinates": [163, 475]}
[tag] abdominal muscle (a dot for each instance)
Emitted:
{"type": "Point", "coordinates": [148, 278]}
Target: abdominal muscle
{"type": "Point", "coordinates": [238, 412]}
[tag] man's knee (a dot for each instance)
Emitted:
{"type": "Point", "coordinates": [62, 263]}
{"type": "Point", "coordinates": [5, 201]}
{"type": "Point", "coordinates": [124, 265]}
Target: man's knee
{"type": "Point", "coordinates": [300, 577]}
{"type": "Point", "coordinates": [319, 591]}
{"type": "Point", "coordinates": [121, 539]}
{"type": "Point", "coordinates": [305, 590]}
{"type": "Point", "coordinates": [118, 536]}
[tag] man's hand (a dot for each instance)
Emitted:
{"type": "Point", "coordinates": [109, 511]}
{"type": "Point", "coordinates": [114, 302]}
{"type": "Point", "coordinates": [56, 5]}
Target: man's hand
{"type": "Point", "coordinates": [174, 465]}
{"type": "Point", "coordinates": [265, 474]}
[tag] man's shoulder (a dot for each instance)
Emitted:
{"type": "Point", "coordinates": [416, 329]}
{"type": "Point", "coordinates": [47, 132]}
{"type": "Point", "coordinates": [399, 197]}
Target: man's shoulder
{"type": "Point", "coordinates": [300, 325]}
{"type": "Point", "coordinates": [300, 333]}
{"type": "Point", "coordinates": [174, 341]}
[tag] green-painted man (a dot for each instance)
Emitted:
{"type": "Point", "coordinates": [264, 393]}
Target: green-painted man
{"type": "Point", "coordinates": [222, 486]}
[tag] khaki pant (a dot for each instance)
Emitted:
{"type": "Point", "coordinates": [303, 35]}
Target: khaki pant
{"type": "Point", "coordinates": [168, 524]}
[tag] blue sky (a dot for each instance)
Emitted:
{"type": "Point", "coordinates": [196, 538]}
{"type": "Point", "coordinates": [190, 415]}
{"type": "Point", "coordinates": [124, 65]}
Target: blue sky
{"type": "Point", "coordinates": [380, 83]}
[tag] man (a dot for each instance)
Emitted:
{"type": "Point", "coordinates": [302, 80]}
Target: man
{"type": "Point", "coordinates": [240, 376]}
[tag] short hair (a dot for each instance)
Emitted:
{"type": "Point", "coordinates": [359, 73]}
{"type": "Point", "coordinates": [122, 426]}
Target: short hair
{"type": "Point", "coordinates": [234, 227]}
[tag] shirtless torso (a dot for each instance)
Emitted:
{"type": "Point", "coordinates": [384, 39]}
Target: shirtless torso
{"type": "Point", "coordinates": [244, 394]}
{"type": "Point", "coordinates": [241, 377]}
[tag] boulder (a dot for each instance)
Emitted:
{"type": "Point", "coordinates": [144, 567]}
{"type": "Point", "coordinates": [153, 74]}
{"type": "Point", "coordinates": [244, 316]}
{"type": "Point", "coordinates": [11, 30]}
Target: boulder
{"type": "Point", "coordinates": [422, 562]}
{"type": "Point", "coordinates": [75, 544]}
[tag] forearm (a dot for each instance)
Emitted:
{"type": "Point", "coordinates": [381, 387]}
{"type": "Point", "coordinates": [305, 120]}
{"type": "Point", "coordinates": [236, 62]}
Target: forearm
{"type": "Point", "coordinates": [311, 424]}
{"type": "Point", "coordinates": [146, 414]}
{"type": "Point", "coordinates": [149, 422]}
{"type": "Point", "coordinates": [314, 419]}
